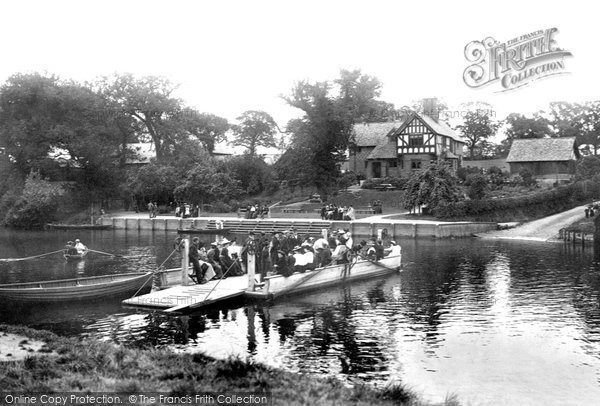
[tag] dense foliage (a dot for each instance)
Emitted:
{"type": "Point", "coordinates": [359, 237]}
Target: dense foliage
{"type": "Point", "coordinates": [36, 205]}
{"type": "Point", "coordinates": [535, 204]}
{"type": "Point", "coordinates": [431, 186]}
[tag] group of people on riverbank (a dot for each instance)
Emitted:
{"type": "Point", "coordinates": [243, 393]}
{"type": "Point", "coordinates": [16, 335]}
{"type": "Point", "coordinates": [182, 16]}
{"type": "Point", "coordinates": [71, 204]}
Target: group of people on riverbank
{"type": "Point", "coordinates": [334, 212]}
{"type": "Point", "coordinates": [254, 211]}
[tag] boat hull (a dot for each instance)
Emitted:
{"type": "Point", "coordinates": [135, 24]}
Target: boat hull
{"type": "Point", "coordinates": [92, 288]}
{"type": "Point", "coordinates": [278, 285]}
{"type": "Point", "coordinates": [75, 257]}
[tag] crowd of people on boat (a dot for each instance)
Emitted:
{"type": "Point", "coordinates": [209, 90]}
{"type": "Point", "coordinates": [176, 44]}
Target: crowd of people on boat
{"type": "Point", "coordinates": [282, 253]}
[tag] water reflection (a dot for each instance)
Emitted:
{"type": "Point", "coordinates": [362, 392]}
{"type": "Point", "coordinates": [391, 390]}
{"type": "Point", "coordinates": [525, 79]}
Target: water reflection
{"type": "Point", "coordinates": [494, 322]}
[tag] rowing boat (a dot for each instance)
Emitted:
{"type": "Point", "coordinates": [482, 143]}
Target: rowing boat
{"type": "Point", "coordinates": [74, 257]}
{"type": "Point", "coordinates": [89, 288]}
{"type": "Point", "coordinates": [204, 230]}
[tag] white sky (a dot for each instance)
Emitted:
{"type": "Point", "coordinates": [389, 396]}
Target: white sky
{"type": "Point", "coordinates": [231, 56]}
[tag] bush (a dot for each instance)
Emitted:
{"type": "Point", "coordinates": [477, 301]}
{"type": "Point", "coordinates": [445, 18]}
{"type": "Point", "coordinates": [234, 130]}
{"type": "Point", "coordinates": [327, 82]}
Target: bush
{"type": "Point", "coordinates": [477, 186]}
{"type": "Point", "coordinates": [541, 203]}
{"type": "Point", "coordinates": [371, 183]}
{"type": "Point", "coordinates": [527, 177]}
{"type": "Point", "coordinates": [37, 204]}
{"type": "Point", "coordinates": [463, 172]}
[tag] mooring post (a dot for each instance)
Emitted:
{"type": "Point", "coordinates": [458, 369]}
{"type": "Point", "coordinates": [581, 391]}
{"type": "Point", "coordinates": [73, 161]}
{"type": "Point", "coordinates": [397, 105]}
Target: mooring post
{"type": "Point", "coordinates": [251, 271]}
{"type": "Point", "coordinates": [185, 262]}
{"type": "Point", "coordinates": [597, 238]}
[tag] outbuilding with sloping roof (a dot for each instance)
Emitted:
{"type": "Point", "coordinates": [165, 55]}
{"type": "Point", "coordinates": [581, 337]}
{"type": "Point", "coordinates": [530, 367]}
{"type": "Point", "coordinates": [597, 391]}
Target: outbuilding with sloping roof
{"type": "Point", "coordinates": [551, 158]}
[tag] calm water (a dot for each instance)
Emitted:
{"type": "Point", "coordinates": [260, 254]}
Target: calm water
{"type": "Point", "coordinates": [493, 322]}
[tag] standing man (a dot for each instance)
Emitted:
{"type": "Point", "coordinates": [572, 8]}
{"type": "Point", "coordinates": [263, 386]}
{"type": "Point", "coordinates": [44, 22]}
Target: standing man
{"type": "Point", "coordinates": [150, 209]}
{"type": "Point", "coordinates": [197, 275]}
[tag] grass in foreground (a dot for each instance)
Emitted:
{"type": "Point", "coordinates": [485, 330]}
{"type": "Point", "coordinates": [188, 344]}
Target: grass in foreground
{"type": "Point", "coordinates": [91, 365]}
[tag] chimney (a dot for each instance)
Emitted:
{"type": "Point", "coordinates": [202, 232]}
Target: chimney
{"type": "Point", "coordinates": [430, 108]}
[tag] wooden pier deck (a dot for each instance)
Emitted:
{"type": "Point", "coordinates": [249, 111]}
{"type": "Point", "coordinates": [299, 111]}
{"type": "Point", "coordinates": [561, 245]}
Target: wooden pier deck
{"type": "Point", "coordinates": [179, 298]}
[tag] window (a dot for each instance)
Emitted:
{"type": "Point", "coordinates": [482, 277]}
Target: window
{"type": "Point", "coordinates": [415, 140]}
{"type": "Point", "coordinates": [393, 164]}
{"type": "Point", "coordinates": [415, 164]}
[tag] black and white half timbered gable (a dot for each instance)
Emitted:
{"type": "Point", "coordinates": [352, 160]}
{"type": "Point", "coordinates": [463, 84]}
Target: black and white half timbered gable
{"type": "Point", "coordinates": [416, 138]}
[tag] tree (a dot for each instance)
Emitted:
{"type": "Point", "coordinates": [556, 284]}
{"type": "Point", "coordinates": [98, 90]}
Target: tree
{"type": "Point", "coordinates": [256, 129]}
{"type": "Point", "coordinates": [252, 173]}
{"type": "Point", "coordinates": [204, 183]}
{"type": "Point", "coordinates": [477, 186]}
{"type": "Point", "coordinates": [323, 134]}
{"type": "Point", "coordinates": [43, 118]}
{"type": "Point", "coordinates": [159, 115]}
{"type": "Point", "coordinates": [587, 167]}
{"type": "Point", "coordinates": [476, 128]}
{"type": "Point", "coordinates": [358, 93]}
{"type": "Point", "coordinates": [431, 186]}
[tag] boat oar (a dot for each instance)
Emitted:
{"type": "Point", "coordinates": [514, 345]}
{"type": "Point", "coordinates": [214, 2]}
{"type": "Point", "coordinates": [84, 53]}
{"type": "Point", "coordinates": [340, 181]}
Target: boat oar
{"type": "Point", "coordinates": [26, 258]}
{"type": "Point", "coordinates": [104, 253]}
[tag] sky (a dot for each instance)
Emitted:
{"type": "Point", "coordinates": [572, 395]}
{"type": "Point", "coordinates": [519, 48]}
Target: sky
{"type": "Point", "coordinates": [232, 56]}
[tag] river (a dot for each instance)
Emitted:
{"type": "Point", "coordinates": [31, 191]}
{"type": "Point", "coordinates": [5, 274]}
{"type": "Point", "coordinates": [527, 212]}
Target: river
{"type": "Point", "coordinates": [493, 322]}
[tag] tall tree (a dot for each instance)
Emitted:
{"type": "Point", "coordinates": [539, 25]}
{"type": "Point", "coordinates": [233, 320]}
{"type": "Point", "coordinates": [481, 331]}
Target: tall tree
{"type": "Point", "coordinates": [41, 116]}
{"type": "Point", "coordinates": [162, 117]}
{"type": "Point", "coordinates": [323, 134]}
{"type": "Point", "coordinates": [255, 129]}
{"type": "Point", "coordinates": [477, 127]}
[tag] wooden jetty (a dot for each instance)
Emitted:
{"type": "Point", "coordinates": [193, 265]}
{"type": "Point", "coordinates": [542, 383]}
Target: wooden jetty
{"type": "Point", "coordinates": [183, 297]}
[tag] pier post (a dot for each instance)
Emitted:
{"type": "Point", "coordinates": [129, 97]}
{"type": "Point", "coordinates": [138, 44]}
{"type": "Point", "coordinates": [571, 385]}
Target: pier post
{"type": "Point", "coordinates": [185, 262]}
{"type": "Point", "coordinates": [251, 271]}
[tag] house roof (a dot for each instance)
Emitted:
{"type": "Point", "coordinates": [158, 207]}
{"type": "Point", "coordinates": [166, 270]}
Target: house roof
{"type": "Point", "coordinates": [389, 150]}
{"type": "Point", "coordinates": [440, 127]}
{"type": "Point", "coordinates": [542, 149]}
{"type": "Point", "coordinates": [372, 134]}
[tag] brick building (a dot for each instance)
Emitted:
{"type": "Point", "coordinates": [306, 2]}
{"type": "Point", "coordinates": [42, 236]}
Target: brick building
{"type": "Point", "coordinates": [399, 148]}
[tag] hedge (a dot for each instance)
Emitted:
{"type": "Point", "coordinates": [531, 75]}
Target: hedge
{"type": "Point", "coordinates": [537, 204]}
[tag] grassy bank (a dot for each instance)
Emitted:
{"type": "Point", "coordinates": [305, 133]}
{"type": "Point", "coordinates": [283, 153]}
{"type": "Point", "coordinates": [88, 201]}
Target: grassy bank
{"type": "Point", "coordinates": [104, 367]}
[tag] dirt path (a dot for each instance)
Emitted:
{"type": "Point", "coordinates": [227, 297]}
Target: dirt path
{"type": "Point", "coordinates": [539, 230]}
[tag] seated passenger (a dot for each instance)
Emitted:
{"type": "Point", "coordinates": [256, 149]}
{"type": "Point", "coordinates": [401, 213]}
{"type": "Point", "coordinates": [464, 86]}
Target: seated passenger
{"type": "Point", "coordinates": [300, 264]}
{"type": "Point", "coordinates": [394, 249]}
{"type": "Point", "coordinates": [339, 255]}
{"type": "Point", "coordinates": [79, 246]}
{"type": "Point", "coordinates": [309, 257]}
{"type": "Point", "coordinates": [70, 249]}
{"type": "Point", "coordinates": [323, 257]}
